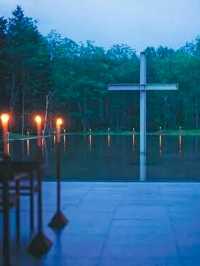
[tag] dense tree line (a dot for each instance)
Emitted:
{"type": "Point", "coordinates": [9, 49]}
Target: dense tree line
{"type": "Point", "coordinates": [55, 74]}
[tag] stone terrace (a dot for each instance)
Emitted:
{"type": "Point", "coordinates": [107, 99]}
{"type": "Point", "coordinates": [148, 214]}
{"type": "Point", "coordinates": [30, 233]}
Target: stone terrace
{"type": "Point", "coordinates": [118, 224]}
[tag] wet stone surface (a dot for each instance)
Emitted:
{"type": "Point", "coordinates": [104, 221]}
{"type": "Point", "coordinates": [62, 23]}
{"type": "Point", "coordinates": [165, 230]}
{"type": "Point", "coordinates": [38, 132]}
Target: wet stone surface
{"type": "Point", "coordinates": [132, 224]}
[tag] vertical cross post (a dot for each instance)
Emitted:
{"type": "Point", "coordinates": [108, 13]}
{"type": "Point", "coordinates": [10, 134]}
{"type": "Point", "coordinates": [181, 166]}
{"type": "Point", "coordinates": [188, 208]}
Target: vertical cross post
{"type": "Point", "coordinates": [143, 81]}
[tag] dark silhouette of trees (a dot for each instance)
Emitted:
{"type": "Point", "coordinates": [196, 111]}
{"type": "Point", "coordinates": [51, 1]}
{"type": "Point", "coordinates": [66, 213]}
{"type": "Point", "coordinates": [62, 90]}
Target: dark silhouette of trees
{"type": "Point", "coordinates": [74, 78]}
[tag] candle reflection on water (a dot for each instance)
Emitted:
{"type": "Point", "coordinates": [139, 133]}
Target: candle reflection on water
{"type": "Point", "coordinates": [108, 138]}
{"type": "Point", "coordinates": [160, 143]}
{"type": "Point", "coordinates": [180, 143]}
{"type": "Point", "coordinates": [64, 139]}
{"type": "Point", "coordinates": [90, 139]}
{"type": "Point", "coordinates": [28, 143]}
{"type": "Point", "coordinates": [54, 137]}
{"type": "Point", "coordinates": [133, 137]}
{"type": "Point", "coordinates": [64, 136]}
{"type": "Point", "coordinates": [28, 147]}
{"type": "Point", "coordinates": [8, 144]}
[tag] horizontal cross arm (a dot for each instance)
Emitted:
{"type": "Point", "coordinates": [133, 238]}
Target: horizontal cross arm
{"type": "Point", "coordinates": [161, 87]}
{"type": "Point", "coordinates": [137, 87]}
{"type": "Point", "coordinates": [124, 87]}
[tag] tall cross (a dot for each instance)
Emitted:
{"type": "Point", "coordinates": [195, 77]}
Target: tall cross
{"type": "Point", "coordinates": [143, 87]}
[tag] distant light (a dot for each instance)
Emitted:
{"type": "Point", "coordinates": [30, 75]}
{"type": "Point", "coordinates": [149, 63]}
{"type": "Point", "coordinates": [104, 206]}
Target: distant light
{"type": "Point", "coordinates": [5, 118]}
{"type": "Point", "coordinates": [38, 119]}
{"type": "Point", "coordinates": [59, 122]}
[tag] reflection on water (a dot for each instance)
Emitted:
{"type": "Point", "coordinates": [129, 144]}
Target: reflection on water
{"type": "Point", "coordinates": [180, 139]}
{"type": "Point", "coordinates": [109, 140]}
{"type": "Point", "coordinates": [8, 148]}
{"type": "Point", "coordinates": [90, 142]}
{"type": "Point", "coordinates": [28, 147]}
{"type": "Point", "coordinates": [143, 167]}
{"type": "Point", "coordinates": [54, 137]}
{"type": "Point", "coordinates": [160, 144]}
{"type": "Point", "coordinates": [133, 140]}
{"type": "Point", "coordinates": [64, 140]}
{"type": "Point", "coordinates": [93, 158]}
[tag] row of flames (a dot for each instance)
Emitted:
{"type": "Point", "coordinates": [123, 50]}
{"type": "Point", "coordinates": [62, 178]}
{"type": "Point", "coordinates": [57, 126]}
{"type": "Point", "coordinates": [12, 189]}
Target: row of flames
{"type": "Point", "coordinates": [5, 118]}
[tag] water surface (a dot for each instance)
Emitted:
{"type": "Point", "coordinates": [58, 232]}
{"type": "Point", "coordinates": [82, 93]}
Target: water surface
{"type": "Point", "coordinates": [117, 158]}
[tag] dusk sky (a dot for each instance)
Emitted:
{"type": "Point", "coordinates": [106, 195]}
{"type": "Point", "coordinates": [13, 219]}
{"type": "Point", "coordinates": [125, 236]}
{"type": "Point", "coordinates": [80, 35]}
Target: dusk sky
{"type": "Point", "coordinates": [138, 23]}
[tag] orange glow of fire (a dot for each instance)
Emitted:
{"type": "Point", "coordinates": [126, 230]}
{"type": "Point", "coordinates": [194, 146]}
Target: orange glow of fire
{"type": "Point", "coordinates": [59, 122]}
{"type": "Point", "coordinates": [38, 119]}
{"type": "Point", "coordinates": [4, 118]}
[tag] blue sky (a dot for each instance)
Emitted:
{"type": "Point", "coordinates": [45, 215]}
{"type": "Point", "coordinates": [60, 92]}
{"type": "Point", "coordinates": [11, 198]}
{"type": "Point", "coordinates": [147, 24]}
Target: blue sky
{"type": "Point", "coordinates": [138, 23]}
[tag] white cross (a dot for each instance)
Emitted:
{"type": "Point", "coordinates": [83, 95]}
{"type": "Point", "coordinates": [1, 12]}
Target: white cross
{"type": "Point", "coordinates": [143, 87]}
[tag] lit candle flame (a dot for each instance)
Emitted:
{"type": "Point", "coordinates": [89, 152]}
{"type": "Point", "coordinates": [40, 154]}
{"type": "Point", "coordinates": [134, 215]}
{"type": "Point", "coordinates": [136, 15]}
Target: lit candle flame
{"type": "Point", "coordinates": [59, 123]}
{"type": "Point", "coordinates": [38, 121]}
{"type": "Point", "coordinates": [5, 118]}
{"type": "Point", "coordinates": [4, 121]}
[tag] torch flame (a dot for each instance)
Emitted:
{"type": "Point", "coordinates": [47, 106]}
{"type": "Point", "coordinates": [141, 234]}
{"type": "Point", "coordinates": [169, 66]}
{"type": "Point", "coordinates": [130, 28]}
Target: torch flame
{"type": "Point", "coordinates": [5, 118]}
{"type": "Point", "coordinates": [59, 122]}
{"type": "Point", "coordinates": [38, 119]}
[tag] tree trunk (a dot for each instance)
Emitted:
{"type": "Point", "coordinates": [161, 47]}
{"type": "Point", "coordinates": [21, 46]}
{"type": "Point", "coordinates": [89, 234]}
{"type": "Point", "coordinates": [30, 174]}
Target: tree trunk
{"type": "Point", "coordinates": [82, 119]}
{"type": "Point", "coordinates": [23, 114]}
{"type": "Point", "coordinates": [196, 115]}
{"type": "Point", "coordinates": [46, 114]}
{"type": "Point", "coordinates": [12, 93]}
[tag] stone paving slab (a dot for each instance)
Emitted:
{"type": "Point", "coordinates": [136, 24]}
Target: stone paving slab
{"type": "Point", "coordinates": [117, 224]}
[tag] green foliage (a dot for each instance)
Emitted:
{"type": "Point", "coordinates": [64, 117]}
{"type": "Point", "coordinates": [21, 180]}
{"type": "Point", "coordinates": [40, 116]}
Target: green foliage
{"type": "Point", "coordinates": [75, 77]}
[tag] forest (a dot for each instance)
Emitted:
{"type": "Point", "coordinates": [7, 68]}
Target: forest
{"type": "Point", "coordinates": [55, 75]}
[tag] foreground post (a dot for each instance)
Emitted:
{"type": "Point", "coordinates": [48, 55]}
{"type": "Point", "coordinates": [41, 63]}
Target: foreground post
{"type": "Point", "coordinates": [6, 221]}
{"type": "Point", "coordinates": [40, 244]}
{"type": "Point", "coordinates": [59, 220]}
{"type": "Point", "coordinates": [4, 122]}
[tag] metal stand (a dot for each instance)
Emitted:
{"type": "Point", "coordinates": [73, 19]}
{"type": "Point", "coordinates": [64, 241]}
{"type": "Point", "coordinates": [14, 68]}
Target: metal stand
{"type": "Point", "coordinates": [18, 211]}
{"type": "Point", "coordinates": [32, 202]}
{"type": "Point", "coordinates": [59, 220]}
{"type": "Point", "coordinates": [40, 244]}
{"type": "Point", "coordinates": [6, 223]}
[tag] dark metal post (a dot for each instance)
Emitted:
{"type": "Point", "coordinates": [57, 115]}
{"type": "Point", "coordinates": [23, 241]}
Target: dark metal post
{"type": "Point", "coordinates": [40, 244]}
{"type": "Point", "coordinates": [59, 220]}
{"type": "Point", "coordinates": [18, 210]}
{"type": "Point", "coordinates": [58, 164]}
{"type": "Point", "coordinates": [32, 202]}
{"type": "Point", "coordinates": [6, 223]}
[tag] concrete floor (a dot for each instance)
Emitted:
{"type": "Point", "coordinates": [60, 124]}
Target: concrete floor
{"type": "Point", "coordinates": [119, 224]}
